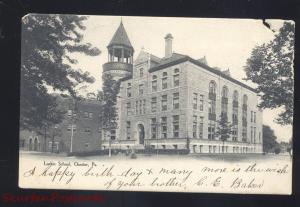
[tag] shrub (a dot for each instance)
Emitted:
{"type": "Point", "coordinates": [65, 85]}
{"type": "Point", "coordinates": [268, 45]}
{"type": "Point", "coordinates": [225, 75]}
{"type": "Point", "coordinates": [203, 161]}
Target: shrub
{"type": "Point", "coordinates": [277, 150]}
{"type": "Point", "coordinates": [133, 156]}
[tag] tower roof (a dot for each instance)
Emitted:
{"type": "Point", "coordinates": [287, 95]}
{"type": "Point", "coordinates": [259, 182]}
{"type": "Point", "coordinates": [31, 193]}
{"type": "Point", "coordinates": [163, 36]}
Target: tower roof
{"type": "Point", "coordinates": [120, 37]}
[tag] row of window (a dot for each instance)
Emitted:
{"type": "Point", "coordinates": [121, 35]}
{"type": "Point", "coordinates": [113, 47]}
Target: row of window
{"type": "Point", "coordinates": [85, 114]}
{"type": "Point", "coordinates": [86, 129]}
{"type": "Point", "coordinates": [225, 92]}
{"type": "Point", "coordinates": [154, 82]}
{"type": "Point", "coordinates": [163, 123]}
{"type": "Point", "coordinates": [140, 105]}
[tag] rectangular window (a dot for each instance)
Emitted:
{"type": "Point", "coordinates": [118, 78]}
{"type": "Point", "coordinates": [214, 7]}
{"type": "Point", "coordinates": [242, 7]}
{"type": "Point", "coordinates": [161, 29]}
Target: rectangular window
{"type": "Point", "coordinates": [254, 117]}
{"type": "Point", "coordinates": [136, 107]}
{"type": "Point", "coordinates": [70, 127]}
{"type": "Point", "coordinates": [251, 116]}
{"type": "Point", "coordinates": [129, 90]}
{"type": "Point", "coordinates": [141, 72]}
{"type": "Point", "coordinates": [201, 128]}
{"type": "Point", "coordinates": [251, 135]}
{"type": "Point", "coordinates": [86, 115]}
{"type": "Point", "coordinates": [154, 85]}
{"type": "Point", "coordinates": [90, 115]}
{"type": "Point", "coordinates": [195, 99]}
{"type": "Point", "coordinates": [164, 129]}
{"type": "Point", "coordinates": [176, 80]}
{"type": "Point", "coordinates": [53, 147]}
{"type": "Point", "coordinates": [144, 106]}
{"type": "Point", "coordinates": [194, 126]}
{"type": "Point", "coordinates": [201, 102]}
{"type": "Point", "coordinates": [153, 104]}
{"type": "Point", "coordinates": [87, 129]}
{"type": "Point", "coordinates": [141, 106]}
{"type": "Point", "coordinates": [164, 83]}
{"type": "Point", "coordinates": [153, 128]}
{"type": "Point", "coordinates": [254, 134]}
{"type": "Point", "coordinates": [175, 100]}
{"type": "Point", "coordinates": [235, 115]}
{"type": "Point", "coordinates": [69, 112]}
{"type": "Point", "coordinates": [234, 133]}
{"type": "Point", "coordinates": [176, 126]}
{"type": "Point", "coordinates": [141, 89]}
{"type": "Point", "coordinates": [211, 130]}
{"type": "Point", "coordinates": [244, 133]}
{"type": "Point", "coordinates": [128, 129]}
{"type": "Point", "coordinates": [128, 108]}
{"type": "Point", "coordinates": [164, 105]}
{"type": "Point", "coordinates": [113, 134]}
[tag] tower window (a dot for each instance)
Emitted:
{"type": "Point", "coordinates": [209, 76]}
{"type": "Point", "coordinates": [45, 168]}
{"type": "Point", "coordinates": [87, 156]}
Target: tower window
{"type": "Point", "coordinates": [141, 72]}
{"type": "Point", "coordinates": [141, 89]}
{"type": "Point", "coordinates": [129, 90]}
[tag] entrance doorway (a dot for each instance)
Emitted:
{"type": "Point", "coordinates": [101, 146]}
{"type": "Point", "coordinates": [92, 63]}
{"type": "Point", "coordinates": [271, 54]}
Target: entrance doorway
{"type": "Point", "coordinates": [141, 133]}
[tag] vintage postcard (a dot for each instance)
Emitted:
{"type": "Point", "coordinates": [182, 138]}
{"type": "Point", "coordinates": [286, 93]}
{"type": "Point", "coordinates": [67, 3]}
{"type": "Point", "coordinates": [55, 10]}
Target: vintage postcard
{"type": "Point", "coordinates": [156, 104]}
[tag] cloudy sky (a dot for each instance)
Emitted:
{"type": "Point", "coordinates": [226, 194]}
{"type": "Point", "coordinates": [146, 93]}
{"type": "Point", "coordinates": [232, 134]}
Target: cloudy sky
{"type": "Point", "coordinates": [226, 43]}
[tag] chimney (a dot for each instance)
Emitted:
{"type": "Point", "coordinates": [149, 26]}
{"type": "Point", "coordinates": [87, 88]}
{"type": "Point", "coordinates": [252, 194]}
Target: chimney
{"type": "Point", "coordinates": [168, 45]}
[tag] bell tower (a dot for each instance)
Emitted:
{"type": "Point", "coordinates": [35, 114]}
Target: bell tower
{"type": "Point", "coordinates": [120, 55]}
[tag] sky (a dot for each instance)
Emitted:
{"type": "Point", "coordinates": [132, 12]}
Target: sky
{"type": "Point", "coordinates": [226, 43]}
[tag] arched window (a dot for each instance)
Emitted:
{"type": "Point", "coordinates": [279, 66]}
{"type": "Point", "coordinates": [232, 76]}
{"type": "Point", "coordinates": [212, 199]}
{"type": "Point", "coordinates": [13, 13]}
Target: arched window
{"type": "Point", "coordinates": [244, 118]}
{"type": "Point", "coordinates": [235, 110]}
{"type": "Point", "coordinates": [212, 87]}
{"type": "Point", "coordinates": [245, 99]}
{"type": "Point", "coordinates": [176, 70]}
{"type": "Point", "coordinates": [165, 74]}
{"type": "Point", "coordinates": [235, 96]}
{"type": "Point", "coordinates": [225, 92]}
{"type": "Point", "coordinates": [224, 102]}
{"type": "Point", "coordinates": [154, 77]}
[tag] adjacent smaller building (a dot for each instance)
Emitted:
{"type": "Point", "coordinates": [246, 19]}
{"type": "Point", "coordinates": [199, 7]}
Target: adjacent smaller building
{"type": "Point", "coordinates": [78, 132]}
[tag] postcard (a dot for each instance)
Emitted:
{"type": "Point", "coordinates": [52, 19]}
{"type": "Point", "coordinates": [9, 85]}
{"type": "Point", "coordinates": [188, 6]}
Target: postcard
{"type": "Point", "coordinates": [159, 104]}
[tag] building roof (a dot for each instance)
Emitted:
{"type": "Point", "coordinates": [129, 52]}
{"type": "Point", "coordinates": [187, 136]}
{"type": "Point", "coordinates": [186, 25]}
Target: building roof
{"type": "Point", "coordinates": [144, 56]}
{"type": "Point", "coordinates": [177, 58]}
{"type": "Point", "coordinates": [120, 37]}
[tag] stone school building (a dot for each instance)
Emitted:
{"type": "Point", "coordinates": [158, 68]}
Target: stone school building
{"type": "Point", "coordinates": [175, 102]}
